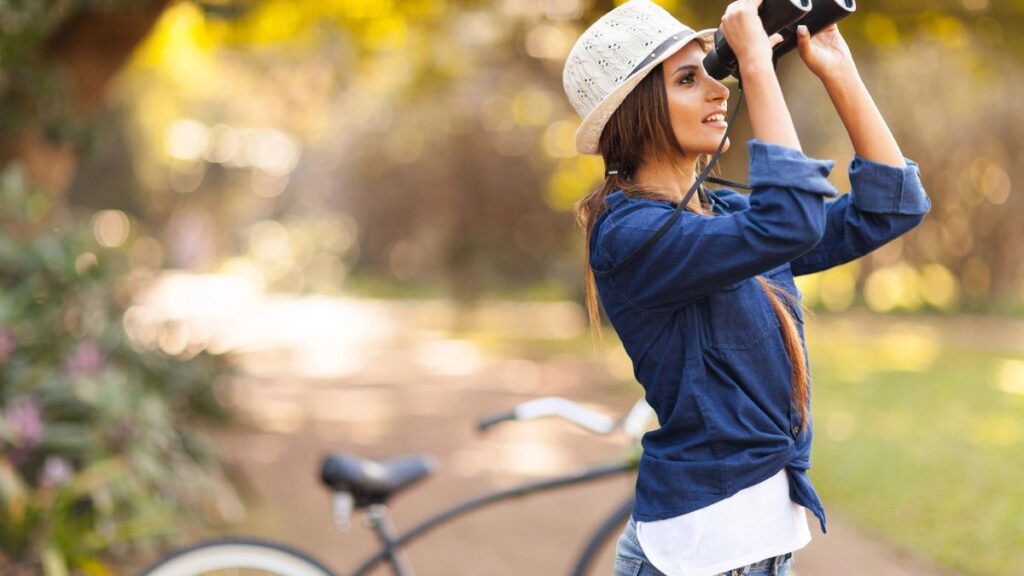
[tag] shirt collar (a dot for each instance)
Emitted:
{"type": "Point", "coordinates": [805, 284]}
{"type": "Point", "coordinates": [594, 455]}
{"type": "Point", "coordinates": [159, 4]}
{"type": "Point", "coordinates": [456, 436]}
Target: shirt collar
{"type": "Point", "coordinates": [619, 197]}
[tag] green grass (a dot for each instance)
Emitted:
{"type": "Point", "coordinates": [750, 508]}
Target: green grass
{"type": "Point", "coordinates": [922, 443]}
{"type": "Point", "coordinates": [919, 430]}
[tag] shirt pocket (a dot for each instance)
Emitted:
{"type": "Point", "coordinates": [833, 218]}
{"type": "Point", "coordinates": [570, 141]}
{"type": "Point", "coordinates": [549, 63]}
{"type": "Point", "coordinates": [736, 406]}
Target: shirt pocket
{"type": "Point", "coordinates": [739, 316]}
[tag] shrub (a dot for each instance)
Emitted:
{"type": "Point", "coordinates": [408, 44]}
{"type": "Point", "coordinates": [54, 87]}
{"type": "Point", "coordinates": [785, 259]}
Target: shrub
{"type": "Point", "coordinates": [101, 448]}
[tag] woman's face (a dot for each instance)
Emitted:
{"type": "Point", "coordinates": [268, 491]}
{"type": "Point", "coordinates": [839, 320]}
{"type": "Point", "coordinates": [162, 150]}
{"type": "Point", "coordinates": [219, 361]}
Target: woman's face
{"type": "Point", "coordinates": [692, 97]}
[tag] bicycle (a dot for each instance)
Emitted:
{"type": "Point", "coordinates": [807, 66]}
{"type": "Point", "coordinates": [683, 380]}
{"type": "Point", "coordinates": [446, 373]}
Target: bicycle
{"type": "Point", "coordinates": [360, 484]}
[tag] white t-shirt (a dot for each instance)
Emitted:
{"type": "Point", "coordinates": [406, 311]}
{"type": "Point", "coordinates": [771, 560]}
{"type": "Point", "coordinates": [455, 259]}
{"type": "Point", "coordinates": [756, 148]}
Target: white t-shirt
{"type": "Point", "coordinates": [757, 522]}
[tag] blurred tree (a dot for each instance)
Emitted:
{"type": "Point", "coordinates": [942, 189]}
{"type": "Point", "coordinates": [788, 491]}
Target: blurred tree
{"type": "Point", "coordinates": [56, 59]}
{"type": "Point", "coordinates": [458, 105]}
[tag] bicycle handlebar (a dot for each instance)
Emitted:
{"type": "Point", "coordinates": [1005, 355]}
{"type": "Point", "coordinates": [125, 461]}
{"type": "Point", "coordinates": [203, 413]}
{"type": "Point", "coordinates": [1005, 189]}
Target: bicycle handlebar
{"type": "Point", "coordinates": [490, 421]}
{"type": "Point", "coordinates": [633, 423]}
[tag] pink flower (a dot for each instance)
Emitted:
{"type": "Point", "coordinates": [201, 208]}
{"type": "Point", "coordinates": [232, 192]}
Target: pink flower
{"type": "Point", "coordinates": [25, 422]}
{"type": "Point", "coordinates": [24, 428]}
{"type": "Point", "coordinates": [56, 471]}
{"type": "Point", "coordinates": [7, 343]}
{"type": "Point", "coordinates": [85, 360]}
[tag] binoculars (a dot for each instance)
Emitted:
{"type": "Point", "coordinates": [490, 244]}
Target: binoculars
{"type": "Point", "coordinates": [782, 16]}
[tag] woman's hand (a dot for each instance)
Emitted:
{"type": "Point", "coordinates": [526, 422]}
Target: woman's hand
{"type": "Point", "coordinates": [826, 53]}
{"type": "Point", "coordinates": [744, 32]}
{"type": "Point", "coordinates": [769, 118]}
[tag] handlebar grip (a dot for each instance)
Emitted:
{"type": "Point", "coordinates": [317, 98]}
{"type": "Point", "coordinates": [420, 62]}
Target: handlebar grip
{"type": "Point", "coordinates": [485, 423]}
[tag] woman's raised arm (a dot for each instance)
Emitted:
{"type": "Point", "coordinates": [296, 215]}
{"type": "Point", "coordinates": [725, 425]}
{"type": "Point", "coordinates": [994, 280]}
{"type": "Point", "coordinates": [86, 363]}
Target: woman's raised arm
{"type": "Point", "coordinates": [828, 57]}
{"type": "Point", "coordinates": [886, 198]}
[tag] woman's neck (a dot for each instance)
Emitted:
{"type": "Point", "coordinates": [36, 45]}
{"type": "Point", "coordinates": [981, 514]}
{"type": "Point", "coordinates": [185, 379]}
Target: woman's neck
{"type": "Point", "coordinates": [668, 180]}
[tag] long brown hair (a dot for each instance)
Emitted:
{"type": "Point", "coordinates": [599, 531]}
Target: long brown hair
{"type": "Point", "coordinates": [640, 131]}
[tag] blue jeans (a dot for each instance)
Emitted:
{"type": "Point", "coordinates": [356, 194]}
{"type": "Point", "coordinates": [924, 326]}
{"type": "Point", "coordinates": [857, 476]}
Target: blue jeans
{"type": "Point", "coordinates": [630, 560]}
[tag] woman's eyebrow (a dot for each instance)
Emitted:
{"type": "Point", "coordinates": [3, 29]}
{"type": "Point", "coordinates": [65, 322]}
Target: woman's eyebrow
{"type": "Point", "coordinates": [685, 67]}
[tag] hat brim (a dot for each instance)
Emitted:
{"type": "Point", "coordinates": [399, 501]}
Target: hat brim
{"type": "Point", "coordinates": [588, 135]}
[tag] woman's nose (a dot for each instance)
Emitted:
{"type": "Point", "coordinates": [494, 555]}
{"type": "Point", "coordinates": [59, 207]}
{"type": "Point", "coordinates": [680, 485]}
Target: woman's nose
{"type": "Point", "coordinates": [721, 93]}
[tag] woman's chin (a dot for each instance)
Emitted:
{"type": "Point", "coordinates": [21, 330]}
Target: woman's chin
{"type": "Point", "coordinates": [711, 148]}
{"type": "Point", "coordinates": [705, 146]}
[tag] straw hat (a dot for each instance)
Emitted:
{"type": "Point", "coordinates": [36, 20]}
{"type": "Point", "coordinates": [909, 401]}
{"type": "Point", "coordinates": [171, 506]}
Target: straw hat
{"type": "Point", "coordinates": [613, 56]}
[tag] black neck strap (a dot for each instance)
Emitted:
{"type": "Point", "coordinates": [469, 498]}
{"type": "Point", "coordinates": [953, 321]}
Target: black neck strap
{"type": "Point", "coordinates": [730, 183]}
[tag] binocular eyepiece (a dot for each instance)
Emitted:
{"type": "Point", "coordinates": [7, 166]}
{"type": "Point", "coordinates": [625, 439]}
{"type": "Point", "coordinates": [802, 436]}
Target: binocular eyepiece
{"type": "Point", "coordinates": [782, 16]}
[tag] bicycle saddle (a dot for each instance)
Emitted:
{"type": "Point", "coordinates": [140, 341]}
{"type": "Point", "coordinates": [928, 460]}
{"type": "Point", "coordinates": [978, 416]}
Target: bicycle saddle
{"type": "Point", "coordinates": [374, 481]}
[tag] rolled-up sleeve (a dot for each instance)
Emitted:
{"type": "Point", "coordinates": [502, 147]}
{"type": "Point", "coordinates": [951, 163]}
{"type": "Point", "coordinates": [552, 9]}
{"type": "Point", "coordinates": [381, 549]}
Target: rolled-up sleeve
{"type": "Point", "coordinates": [884, 202]}
{"type": "Point", "coordinates": [701, 254]}
{"type": "Point", "coordinates": [772, 165]}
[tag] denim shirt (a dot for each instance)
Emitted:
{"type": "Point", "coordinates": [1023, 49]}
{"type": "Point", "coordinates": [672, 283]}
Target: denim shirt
{"type": "Point", "coordinates": [703, 338]}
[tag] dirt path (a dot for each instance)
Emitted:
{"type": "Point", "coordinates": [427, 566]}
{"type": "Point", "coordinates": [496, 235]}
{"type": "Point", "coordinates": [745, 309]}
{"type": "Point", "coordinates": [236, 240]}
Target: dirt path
{"type": "Point", "coordinates": [380, 378]}
{"type": "Point", "coordinates": [400, 401]}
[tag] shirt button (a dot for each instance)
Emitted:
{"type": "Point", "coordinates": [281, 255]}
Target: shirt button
{"type": "Point", "coordinates": [795, 430]}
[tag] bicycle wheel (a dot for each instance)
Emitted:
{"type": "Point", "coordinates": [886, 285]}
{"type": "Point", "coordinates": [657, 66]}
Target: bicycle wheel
{"type": "Point", "coordinates": [237, 557]}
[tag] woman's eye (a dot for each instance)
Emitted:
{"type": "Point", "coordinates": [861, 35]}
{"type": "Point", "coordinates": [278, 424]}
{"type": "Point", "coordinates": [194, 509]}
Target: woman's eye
{"type": "Point", "coordinates": [685, 77]}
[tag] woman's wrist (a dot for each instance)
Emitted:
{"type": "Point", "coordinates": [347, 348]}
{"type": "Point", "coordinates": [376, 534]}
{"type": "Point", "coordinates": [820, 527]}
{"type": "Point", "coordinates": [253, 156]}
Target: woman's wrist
{"type": "Point", "coordinates": [766, 106]}
{"type": "Point", "coordinates": [841, 78]}
{"type": "Point", "coordinates": [871, 137]}
{"type": "Point", "coordinates": [847, 91]}
{"type": "Point", "coordinates": [755, 63]}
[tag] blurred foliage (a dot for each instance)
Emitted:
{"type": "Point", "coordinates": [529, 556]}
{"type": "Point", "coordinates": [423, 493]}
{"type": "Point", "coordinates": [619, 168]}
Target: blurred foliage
{"type": "Point", "coordinates": [31, 86]}
{"type": "Point", "coordinates": [99, 447]}
{"type": "Point", "coordinates": [440, 129]}
{"type": "Point", "coordinates": [28, 88]}
{"type": "Point", "coordinates": [422, 143]}
{"type": "Point", "coordinates": [34, 85]}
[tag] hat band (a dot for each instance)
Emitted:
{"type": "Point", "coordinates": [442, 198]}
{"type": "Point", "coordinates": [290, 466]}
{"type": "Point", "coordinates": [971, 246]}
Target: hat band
{"type": "Point", "coordinates": [659, 50]}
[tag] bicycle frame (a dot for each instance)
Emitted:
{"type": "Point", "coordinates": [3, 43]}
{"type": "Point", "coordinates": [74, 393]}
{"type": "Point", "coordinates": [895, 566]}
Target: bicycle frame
{"type": "Point", "coordinates": [392, 543]}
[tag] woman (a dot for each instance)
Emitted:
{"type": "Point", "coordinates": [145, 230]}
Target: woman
{"type": "Point", "coordinates": [709, 314]}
